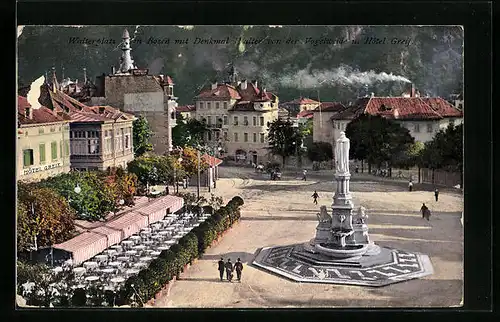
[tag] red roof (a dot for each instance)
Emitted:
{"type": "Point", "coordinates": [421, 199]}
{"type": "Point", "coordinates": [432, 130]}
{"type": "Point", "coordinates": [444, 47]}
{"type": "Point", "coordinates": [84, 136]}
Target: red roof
{"type": "Point", "coordinates": [305, 114]}
{"type": "Point", "coordinates": [441, 106]}
{"type": "Point", "coordinates": [79, 112]}
{"type": "Point", "coordinates": [221, 91]}
{"type": "Point", "coordinates": [185, 108]}
{"type": "Point", "coordinates": [330, 107]}
{"type": "Point", "coordinates": [410, 108]}
{"type": "Point", "coordinates": [212, 161]}
{"type": "Point", "coordinates": [39, 115]}
{"type": "Point", "coordinates": [303, 100]}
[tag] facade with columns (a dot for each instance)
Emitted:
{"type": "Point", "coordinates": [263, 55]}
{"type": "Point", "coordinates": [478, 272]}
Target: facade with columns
{"type": "Point", "coordinates": [237, 113]}
{"type": "Point", "coordinates": [134, 91]}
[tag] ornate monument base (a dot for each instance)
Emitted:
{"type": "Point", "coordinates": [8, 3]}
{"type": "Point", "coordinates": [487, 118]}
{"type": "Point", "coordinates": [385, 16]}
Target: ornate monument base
{"type": "Point", "coordinates": [389, 266]}
{"type": "Point", "coordinates": [341, 252]}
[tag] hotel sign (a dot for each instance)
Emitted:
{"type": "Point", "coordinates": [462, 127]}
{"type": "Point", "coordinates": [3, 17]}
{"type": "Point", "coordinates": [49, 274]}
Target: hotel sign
{"type": "Point", "coordinates": [42, 168]}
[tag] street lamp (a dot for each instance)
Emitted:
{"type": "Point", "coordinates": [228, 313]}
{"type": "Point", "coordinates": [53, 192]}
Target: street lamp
{"type": "Point", "coordinates": [176, 187]}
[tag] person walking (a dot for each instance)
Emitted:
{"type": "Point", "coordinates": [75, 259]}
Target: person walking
{"type": "Point", "coordinates": [410, 186]}
{"type": "Point", "coordinates": [167, 190]}
{"type": "Point", "coordinates": [238, 266]}
{"type": "Point", "coordinates": [436, 194]}
{"type": "Point", "coordinates": [357, 169]}
{"type": "Point", "coordinates": [229, 270]}
{"type": "Point", "coordinates": [221, 268]}
{"type": "Point", "coordinates": [315, 197]}
{"type": "Point", "coordinates": [304, 175]}
{"type": "Point", "coordinates": [425, 212]}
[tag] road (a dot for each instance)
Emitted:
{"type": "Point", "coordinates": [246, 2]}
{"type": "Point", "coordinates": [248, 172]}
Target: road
{"type": "Point", "coordinates": [282, 212]}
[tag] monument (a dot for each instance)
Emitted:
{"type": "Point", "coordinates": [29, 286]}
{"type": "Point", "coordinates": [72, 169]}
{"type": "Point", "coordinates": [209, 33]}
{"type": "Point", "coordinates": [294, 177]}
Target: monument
{"type": "Point", "coordinates": [342, 252]}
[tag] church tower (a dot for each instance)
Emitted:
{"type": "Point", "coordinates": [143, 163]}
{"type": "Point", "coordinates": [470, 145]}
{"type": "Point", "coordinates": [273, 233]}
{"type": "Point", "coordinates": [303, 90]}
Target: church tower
{"type": "Point", "coordinates": [126, 62]}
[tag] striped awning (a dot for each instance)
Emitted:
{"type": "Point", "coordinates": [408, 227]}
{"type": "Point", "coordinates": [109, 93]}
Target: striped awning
{"type": "Point", "coordinates": [99, 236]}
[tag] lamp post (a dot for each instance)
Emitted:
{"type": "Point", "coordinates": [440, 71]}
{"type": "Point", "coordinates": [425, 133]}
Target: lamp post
{"type": "Point", "coordinates": [176, 187]}
{"type": "Point", "coordinates": [199, 182]}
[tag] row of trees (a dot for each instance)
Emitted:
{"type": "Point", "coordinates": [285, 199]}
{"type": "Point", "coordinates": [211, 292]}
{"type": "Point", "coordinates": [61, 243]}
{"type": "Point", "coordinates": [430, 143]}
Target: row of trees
{"type": "Point", "coordinates": [381, 141]}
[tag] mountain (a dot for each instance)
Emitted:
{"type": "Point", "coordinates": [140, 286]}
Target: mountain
{"type": "Point", "coordinates": [305, 60]}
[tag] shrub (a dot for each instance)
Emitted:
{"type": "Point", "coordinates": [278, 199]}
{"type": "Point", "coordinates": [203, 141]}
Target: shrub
{"type": "Point", "coordinates": [238, 200]}
{"type": "Point", "coordinates": [79, 298]}
{"type": "Point", "coordinates": [208, 210]}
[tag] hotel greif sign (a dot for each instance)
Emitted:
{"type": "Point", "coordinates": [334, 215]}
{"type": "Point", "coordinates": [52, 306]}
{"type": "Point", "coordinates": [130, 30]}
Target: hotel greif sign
{"type": "Point", "coordinates": [42, 168]}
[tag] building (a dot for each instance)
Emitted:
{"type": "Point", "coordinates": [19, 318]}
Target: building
{"type": "Point", "coordinates": [237, 113]}
{"type": "Point", "coordinates": [300, 104]}
{"type": "Point", "coordinates": [100, 136]}
{"type": "Point", "coordinates": [187, 111]}
{"type": "Point", "coordinates": [422, 116]}
{"type": "Point", "coordinates": [133, 90]}
{"type": "Point", "coordinates": [43, 142]}
{"type": "Point", "coordinates": [322, 125]}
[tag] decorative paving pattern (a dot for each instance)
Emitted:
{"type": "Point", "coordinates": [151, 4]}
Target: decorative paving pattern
{"type": "Point", "coordinates": [390, 266]}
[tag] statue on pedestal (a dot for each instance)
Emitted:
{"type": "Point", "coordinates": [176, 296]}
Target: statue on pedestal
{"type": "Point", "coordinates": [323, 216]}
{"type": "Point", "coordinates": [342, 154]}
{"type": "Point", "coordinates": [361, 216]}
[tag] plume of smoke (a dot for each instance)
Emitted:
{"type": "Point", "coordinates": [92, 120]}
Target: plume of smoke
{"type": "Point", "coordinates": [34, 92]}
{"type": "Point", "coordinates": [343, 75]}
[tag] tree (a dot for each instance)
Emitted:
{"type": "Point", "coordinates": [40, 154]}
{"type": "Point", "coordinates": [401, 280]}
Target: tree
{"type": "Point", "coordinates": [445, 151]}
{"type": "Point", "coordinates": [141, 136]}
{"type": "Point", "coordinates": [152, 169]}
{"type": "Point", "coordinates": [284, 138]}
{"type": "Point", "coordinates": [43, 218]}
{"type": "Point", "coordinates": [377, 139]}
{"type": "Point", "coordinates": [94, 201]}
{"type": "Point", "coordinates": [188, 133]}
{"type": "Point", "coordinates": [189, 161]}
{"type": "Point", "coordinates": [408, 158]}
{"type": "Point", "coordinates": [320, 152]}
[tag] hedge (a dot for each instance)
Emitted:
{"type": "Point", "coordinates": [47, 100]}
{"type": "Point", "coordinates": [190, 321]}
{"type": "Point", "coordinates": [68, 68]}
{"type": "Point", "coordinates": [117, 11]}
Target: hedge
{"type": "Point", "coordinates": [171, 262]}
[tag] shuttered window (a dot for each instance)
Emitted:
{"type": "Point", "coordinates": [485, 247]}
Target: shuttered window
{"type": "Point", "coordinates": [27, 157]}
{"type": "Point", "coordinates": [53, 147]}
{"type": "Point", "coordinates": [42, 152]}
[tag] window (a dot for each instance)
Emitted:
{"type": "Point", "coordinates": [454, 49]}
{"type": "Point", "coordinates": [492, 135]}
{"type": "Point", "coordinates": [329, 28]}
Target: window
{"type": "Point", "coordinates": [225, 136]}
{"type": "Point", "coordinates": [217, 105]}
{"type": "Point", "coordinates": [262, 121]}
{"type": "Point", "coordinates": [255, 137]}
{"type": "Point", "coordinates": [217, 135]}
{"type": "Point", "coordinates": [262, 138]}
{"type": "Point", "coordinates": [42, 152]}
{"type": "Point", "coordinates": [338, 126]}
{"type": "Point", "coordinates": [208, 105]}
{"type": "Point", "coordinates": [66, 148]}
{"type": "Point", "coordinates": [52, 129]}
{"type": "Point", "coordinates": [254, 119]}
{"type": "Point", "coordinates": [209, 135]}
{"type": "Point", "coordinates": [235, 120]}
{"type": "Point", "coordinates": [209, 120]}
{"type": "Point", "coordinates": [245, 137]}
{"type": "Point", "coordinates": [40, 131]}
{"type": "Point", "coordinates": [429, 128]}
{"type": "Point", "coordinates": [417, 128]}
{"type": "Point", "coordinates": [93, 146]}
{"type": "Point", "coordinates": [245, 120]}
{"type": "Point", "coordinates": [71, 134]}
{"type": "Point", "coordinates": [201, 105]}
{"type": "Point", "coordinates": [235, 137]}
{"type": "Point", "coordinates": [225, 105]}
{"type": "Point", "coordinates": [27, 157]}
{"type": "Point", "coordinates": [224, 118]}
{"type": "Point", "coordinates": [53, 148]}
{"type": "Point", "coordinates": [127, 141]}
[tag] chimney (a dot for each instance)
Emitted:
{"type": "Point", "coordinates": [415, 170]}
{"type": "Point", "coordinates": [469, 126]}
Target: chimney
{"type": "Point", "coordinates": [214, 85]}
{"type": "Point", "coordinates": [372, 94]}
{"type": "Point", "coordinates": [254, 82]}
{"type": "Point", "coordinates": [244, 84]}
{"type": "Point", "coordinates": [412, 90]}
{"type": "Point", "coordinates": [84, 75]}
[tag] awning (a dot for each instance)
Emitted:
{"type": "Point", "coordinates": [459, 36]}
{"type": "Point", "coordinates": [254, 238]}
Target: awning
{"type": "Point", "coordinates": [96, 239]}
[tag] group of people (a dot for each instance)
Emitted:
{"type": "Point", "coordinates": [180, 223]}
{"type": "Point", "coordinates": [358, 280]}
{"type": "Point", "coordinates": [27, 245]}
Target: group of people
{"type": "Point", "coordinates": [228, 267]}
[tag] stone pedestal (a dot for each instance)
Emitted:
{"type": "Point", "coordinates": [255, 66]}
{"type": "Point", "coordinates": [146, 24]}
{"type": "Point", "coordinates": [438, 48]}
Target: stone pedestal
{"type": "Point", "coordinates": [323, 233]}
{"type": "Point", "coordinates": [361, 234]}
